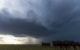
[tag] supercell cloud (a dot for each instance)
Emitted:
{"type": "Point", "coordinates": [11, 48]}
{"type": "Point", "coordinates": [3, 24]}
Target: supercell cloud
{"type": "Point", "coordinates": [45, 19]}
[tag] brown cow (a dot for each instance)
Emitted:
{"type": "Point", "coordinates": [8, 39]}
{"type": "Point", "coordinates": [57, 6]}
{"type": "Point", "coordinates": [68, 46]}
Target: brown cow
{"type": "Point", "coordinates": [65, 44]}
{"type": "Point", "coordinates": [57, 44]}
{"type": "Point", "coordinates": [75, 45]}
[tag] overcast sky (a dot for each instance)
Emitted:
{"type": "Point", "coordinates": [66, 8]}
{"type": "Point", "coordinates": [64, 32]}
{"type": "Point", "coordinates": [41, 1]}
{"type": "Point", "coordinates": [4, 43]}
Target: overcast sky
{"type": "Point", "coordinates": [45, 20]}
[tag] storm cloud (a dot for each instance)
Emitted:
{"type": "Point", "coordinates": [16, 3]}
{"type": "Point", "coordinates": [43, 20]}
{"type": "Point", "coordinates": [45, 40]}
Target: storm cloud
{"type": "Point", "coordinates": [47, 19]}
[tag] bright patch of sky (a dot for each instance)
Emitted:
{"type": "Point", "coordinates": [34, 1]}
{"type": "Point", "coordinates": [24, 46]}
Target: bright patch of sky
{"type": "Point", "coordinates": [10, 39]}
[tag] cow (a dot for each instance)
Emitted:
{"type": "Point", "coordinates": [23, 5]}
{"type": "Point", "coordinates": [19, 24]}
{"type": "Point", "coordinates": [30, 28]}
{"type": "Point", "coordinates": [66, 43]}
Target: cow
{"type": "Point", "coordinates": [64, 44]}
{"type": "Point", "coordinates": [76, 45]}
{"type": "Point", "coordinates": [57, 44]}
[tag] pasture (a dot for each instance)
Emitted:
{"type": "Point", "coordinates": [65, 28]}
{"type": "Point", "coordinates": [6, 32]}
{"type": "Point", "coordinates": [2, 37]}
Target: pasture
{"type": "Point", "coordinates": [25, 47]}
{"type": "Point", "coordinates": [31, 47]}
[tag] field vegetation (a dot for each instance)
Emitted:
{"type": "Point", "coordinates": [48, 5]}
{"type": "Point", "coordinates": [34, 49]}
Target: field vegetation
{"type": "Point", "coordinates": [25, 47]}
{"type": "Point", "coordinates": [32, 47]}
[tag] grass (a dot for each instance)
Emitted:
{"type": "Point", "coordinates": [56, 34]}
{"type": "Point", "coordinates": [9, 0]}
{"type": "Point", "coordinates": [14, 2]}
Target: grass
{"type": "Point", "coordinates": [29, 47]}
{"type": "Point", "coordinates": [24, 47]}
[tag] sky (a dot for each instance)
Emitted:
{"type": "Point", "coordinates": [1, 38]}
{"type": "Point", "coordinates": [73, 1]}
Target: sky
{"type": "Point", "coordinates": [34, 21]}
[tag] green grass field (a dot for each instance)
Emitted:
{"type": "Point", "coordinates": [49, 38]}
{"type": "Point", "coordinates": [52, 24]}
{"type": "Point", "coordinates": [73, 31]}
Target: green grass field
{"type": "Point", "coordinates": [24, 47]}
{"type": "Point", "coordinates": [30, 47]}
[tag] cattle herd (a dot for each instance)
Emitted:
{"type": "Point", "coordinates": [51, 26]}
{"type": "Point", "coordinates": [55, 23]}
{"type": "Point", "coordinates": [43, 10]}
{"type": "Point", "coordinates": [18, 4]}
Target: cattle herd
{"type": "Point", "coordinates": [63, 44]}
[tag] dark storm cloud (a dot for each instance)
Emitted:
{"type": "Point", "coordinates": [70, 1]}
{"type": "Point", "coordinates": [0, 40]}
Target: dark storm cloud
{"type": "Point", "coordinates": [52, 20]}
{"type": "Point", "coordinates": [19, 26]}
